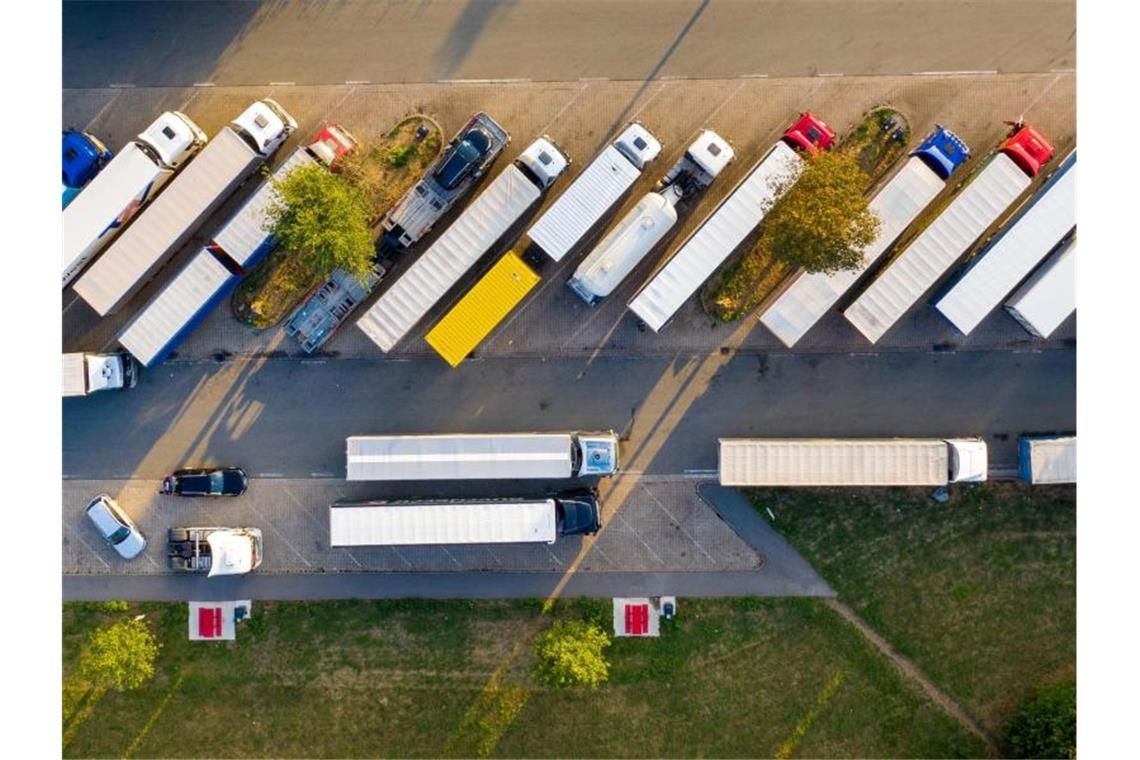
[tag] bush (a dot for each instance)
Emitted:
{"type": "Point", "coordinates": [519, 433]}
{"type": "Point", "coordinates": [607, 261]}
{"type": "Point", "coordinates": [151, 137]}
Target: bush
{"type": "Point", "coordinates": [1046, 725]}
{"type": "Point", "coordinates": [120, 656]}
{"type": "Point", "coordinates": [570, 654]}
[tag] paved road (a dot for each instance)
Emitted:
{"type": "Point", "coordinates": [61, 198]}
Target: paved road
{"type": "Point", "coordinates": [289, 418]}
{"type": "Point", "coordinates": [181, 43]}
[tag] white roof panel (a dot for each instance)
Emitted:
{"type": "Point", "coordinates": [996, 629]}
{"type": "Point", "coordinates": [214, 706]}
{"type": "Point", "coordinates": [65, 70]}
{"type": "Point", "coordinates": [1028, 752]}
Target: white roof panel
{"type": "Point", "coordinates": [458, 457]}
{"type": "Point", "coordinates": [74, 375]}
{"type": "Point", "coordinates": [833, 462]}
{"type": "Point", "coordinates": [915, 270]}
{"type": "Point", "coordinates": [717, 237]}
{"type": "Point", "coordinates": [625, 245]}
{"type": "Point", "coordinates": [1014, 254]}
{"type": "Point", "coordinates": [1051, 460]}
{"type": "Point", "coordinates": [442, 523]}
{"type": "Point", "coordinates": [1049, 296]}
{"type": "Point", "coordinates": [810, 296]}
{"type": "Point", "coordinates": [484, 221]}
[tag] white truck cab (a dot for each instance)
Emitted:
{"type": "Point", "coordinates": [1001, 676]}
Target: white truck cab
{"type": "Point", "coordinates": [638, 145]}
{"type": "Point", "coordinates": [174, 138]}
{"type": "Point", "coordinates": [84, 374]}
{"type": "Point", "coordinates": [597, 454]}
{"type": "Point", "coordinates": [968, 460]}
{"type": "Point", "coordinates": [544, 160]}
{"type": "Point", "coordinates": [266, 124]}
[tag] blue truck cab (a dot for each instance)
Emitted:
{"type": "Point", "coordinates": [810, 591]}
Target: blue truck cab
{"type": "Point", "coordinates": [83, 157]}
{"type": "Point", "coordinates": [942, 151]}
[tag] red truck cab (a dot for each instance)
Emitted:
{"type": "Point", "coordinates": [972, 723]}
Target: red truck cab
{"type": "Point", "coordinates": [810, 133]}
{"type": "Point", "coordinates": [1027, 148]}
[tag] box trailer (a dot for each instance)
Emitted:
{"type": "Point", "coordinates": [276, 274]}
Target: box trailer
{"type": "Point", "coordinates": [481, 310]}
{"type": "Point", "coordinates": [851, 462]}
{"type": "Point", "coordinates": [446, 522]}
{"type": "Point", "coordinates": [226, 161]}
{"type": "Point", "coordinates": [647, 223]}
{"type": "Point", "coordinates": [1043, 222]}
{"type": "Point", "coordinates": [737, 216]}
{"type": "Point", "coordinates": [594, 191]}
{"type": "Point", "coordinates": [487, 219]}
{"type": "Point", "coordinates": [1049, 296]}
{"type": "Point", "coordinates": [84, 374]}
{"type": "Point", "coordinates": [124, 186]}
{"type": "Point", "coordinates": [809, 296]}
{"type": "Point", "coordinates": [489, 456]}
{"type": "Point", "coordinates": [213, 272]}
{"type": "Point", "coordinates": [1046, 459]}
{"type": "Point", "coordinates": [904, 280]}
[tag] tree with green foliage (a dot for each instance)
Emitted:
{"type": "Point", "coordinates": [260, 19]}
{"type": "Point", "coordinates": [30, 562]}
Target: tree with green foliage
{"type": "Point", "coordinates": [822, 224]}
{"type": "Point", "coordinates": [323, 220]}
{"type": "Point", "coordinates": [570, 653]}
{"type": "Point", "coordinates": [1046, 725]}
{"type": "Point", "coordinates": [120, 656]}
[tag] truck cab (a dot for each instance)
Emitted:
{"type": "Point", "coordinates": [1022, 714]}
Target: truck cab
{"type": "Point", "coordinates": [595, 454]}
{"type": "Point", "coordinates": [214, 551]}
{"type": "Point", "coordinates": [172, 139]}
{"type": "Point", "coordinates": [1027, 148]}
{"type": "Point", "coordinates": [331, 144]}
{"type": "Point", "coordinates": [638, 145]}
{"type": "Point", "coordinates": [543, 162]}
{"type": "Point", "coordinates": [265, 125]}
{"type": "Point", "coordinates": [968, 460]}
{"type": "Point", "coordinates": [942, 152]}
{"type": "Point", "coordinates": [84, 374]}
{"type": "Point", "coordinates": [809, 134]}
{"type": "Point", "coordinates": [578, 513]}
{"type": "Point", "coordinates": [83, 156]}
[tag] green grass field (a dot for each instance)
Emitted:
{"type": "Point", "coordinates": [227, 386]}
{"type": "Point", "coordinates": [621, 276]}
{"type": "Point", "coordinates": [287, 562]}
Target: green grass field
{"type": "Point", "coordinates": [728, 678]}
{"type": "Point", "coordinates": [980, 593]}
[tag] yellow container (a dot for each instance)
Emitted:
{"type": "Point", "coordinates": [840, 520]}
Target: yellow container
{"type": "Point", "coordinates": [480, 311]}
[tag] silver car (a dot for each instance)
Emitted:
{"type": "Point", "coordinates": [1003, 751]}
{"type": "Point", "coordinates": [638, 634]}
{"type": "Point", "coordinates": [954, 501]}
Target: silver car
{"type": "Point", "coordinates": [116, 527]}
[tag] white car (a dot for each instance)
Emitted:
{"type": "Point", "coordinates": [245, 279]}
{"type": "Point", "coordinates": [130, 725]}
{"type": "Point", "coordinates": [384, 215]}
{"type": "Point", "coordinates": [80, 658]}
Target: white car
{"type": "Point", "coordinates": [116, 528]}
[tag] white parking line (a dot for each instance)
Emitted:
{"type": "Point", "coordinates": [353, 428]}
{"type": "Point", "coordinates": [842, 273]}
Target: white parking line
{"type": "Point", "coordinates": [282, 84]}
{"type": "Point", "coordinates": [553, 556]}
{"type": "Point", "coordinates": [94, 554]}
{"type": "Point", "coordinates": [966, 73]}
{"type": "Point", "coordinates": [562, 110]}
{"type": "Point", "coordinates": [204, 84]}
{"type": "Point", "coordinates": [830, 74]}
{"type": "Point", "coordinates": [401, 556]}
{"type": "Point", "coordinates": [681, 527]}
{"type": "Point", "coordinates": [96, 118]}
{"type": "Point", "coordinates": [449, 556]}
{"type": "Point", "coordinates": [637, 535]}
{"type": "Point", "coordinates": [485, 81]}
{"type": "Point", "coordinates": [280, 535]}
{"type": "Point", "coordinates": [357, 81]}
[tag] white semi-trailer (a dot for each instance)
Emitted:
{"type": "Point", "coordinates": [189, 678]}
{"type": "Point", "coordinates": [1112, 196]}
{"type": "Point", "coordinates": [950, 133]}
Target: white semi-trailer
{"type": "Point", "coordinates": [851, 462]}
{"type": "Point", "coordinates": [1047, 459]}
{"type": "Point", "coordinates": [84, 374]}
{"type": "Point", "coordinates": [444, 522]}
{"type": "Point", "coordinates": [124, 186]}
{"type": "Point", "coordinates": [737, 216]}
{"type": "Point", "coordinates": [646, 224]}
{"type": "Point", "coordinates": [482, 456]}
{"type": "Point", "coordinates": [809, 296]}
{"type": "Point", "coordinates": [226, 161]}
{"type": "Point", "coordinates": [594, 191]}
{"type": "Point", "coordinates": [914, 271]}
{"type": "Point", "coordinates": [482, 223]}
{"type": "Point", "coordinates": [1049, 296]}
{"type": "Point", "coordinates": [237, 247]}
{"type": "Point", "coordinates": [1045, 220]}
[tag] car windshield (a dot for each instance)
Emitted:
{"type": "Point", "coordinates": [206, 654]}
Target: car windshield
{"type": "Point", "coordinates": [217, 481]}
{"type": "Point", "coordinates": [119, 536]}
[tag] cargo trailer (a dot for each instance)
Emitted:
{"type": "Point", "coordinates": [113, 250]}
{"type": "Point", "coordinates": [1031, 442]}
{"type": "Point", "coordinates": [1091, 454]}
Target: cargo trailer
{"type": "Point", "coordinates": [1045, 459]}
{"type": "Point", "coordinates": [1049, 296]}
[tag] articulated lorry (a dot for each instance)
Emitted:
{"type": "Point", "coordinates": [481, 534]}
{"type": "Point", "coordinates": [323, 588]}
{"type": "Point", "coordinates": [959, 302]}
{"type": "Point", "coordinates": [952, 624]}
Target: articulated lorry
{"type": "Point", "coordinates": [490, 456]}
{"type": "Point", "coordinates": [446, 522]}
{"type": "Point", "coordinates": [809, 296]}
{"type": "Point", "coordinates": [631, 239]}
{"type": "Point", "coordinates": [84, 374]}
{"type": "Point", "coordinates": [124, 186]}
{"type": "Point", "coordinates": [214, 271]}
{"type": "Point", "coordinates": [904, 280]}
{"type": "Point", "coordinates": [84, 156]}
{"type": "Point", "coordinates": [1040, 225]}
{"type": "Point", "coordinates": [737, 216]}
{"type": "Point", "coordinates": [227, 160]}
{"type": "Point", "coordinates": [594, 191]}
{"type": "Point", "coordinates": [487, 219]}
{"type": "Point", "coordinates": [1043, 459]}
{"type": "Point", "coordinates": [214, 551]}
{"type": "Point", "coordinates": [1049, 296]}
{"type": "Point", "coordinates": [451, 176]}
{"type": "Point", "coordinates": [851, 462]}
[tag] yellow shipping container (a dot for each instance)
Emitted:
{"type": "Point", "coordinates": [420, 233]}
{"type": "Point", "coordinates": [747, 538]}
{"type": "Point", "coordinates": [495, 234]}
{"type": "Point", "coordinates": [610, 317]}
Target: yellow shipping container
{"type": "Point", "coordinates": [480, 311]}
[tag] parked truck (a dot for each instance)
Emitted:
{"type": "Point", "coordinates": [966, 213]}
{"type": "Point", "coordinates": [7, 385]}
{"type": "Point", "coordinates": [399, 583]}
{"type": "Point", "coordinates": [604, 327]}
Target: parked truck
{"type": "Point", "coordinates": [639, 232]}
{"type": "Point", "coordinates": [488, 456]}
{"type": "Point", "coordinates": [124, 186]}
{"type": "Point", "coordinates": [594, 191]}
{"type": "Point", "coordinates": [445, 522]}
{"type": "Point", "coordinates": [851, 461]}
{"type": "Point", "coordinates": [214, 551]}
{"type": "Point", "coordinates": [451, 176]}
{"type": "Point", "coordinates": [1049, 296]}
{"type": "Point", "coordinates": [1046, 459]}
{"type": "Point", "coordinates": [1047, 218]}
{"type": "Point", "coordinates": [226, 161]}
{"type": "Point", "coordinates": [84, 374]}
{"type": "Point", "coordinates": [481, 310]}
{"type": "Point", "coordinates": [213, 272]}
{"type": "Point", "coordinates": [954, 232]}
{"type": "Point", "coordinates": [737, 216]}
{"type": "Point", "coordinates": [84, 156]}
{"type": "Point", "coordinates": [808, 296]}
{"type": "Point", "coordinates": [315, 321]}
{"type": "Point", "coordinates": [498, 208]}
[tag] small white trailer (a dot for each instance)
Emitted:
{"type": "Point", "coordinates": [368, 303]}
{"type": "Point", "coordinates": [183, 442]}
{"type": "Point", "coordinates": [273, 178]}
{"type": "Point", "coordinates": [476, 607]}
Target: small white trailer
{"type": "Point", "coordinates": [226, 161]}
{"type": "Point", "coordinates": [851, 461]}
{"type": "Point", "coordinates": [482, 223]}
{"type": "Point", "coordinates": [594, 191]}
{"type": "Point", "coordinates": [124, 186]}
{"type": "Point", "coordinates": [1046, 459]}
{"type": "Point", "coordinates": [482, 456]}
{"type": "Point", "coordinates": [1049, 296]}
{"type": "Point", "coordinates": [915, 271]}
{"type": "Point", "coordinates": [1044, 221]}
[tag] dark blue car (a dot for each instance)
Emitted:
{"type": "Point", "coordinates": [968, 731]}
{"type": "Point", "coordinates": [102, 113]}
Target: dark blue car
{"type": "Point", "coordinates": [464, 160]}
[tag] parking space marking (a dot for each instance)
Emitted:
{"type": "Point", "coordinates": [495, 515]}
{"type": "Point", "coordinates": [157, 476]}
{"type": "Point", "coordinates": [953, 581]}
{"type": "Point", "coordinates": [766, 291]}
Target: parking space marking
{"type": "Point", "coordinates": [280, 535]}
{"type": "Point", "coordinates": [96, 118]}
{"type": "Point", "coordinates": [647, 101]}
{"type": "Point", "coordinates": [553, 556]}
{"type": "Point", "coordinates": [725, 102]}
{"type": "Point", "coordinates": [562, 110]}
{"type": "Point", "coordinates": [597, 547]}
{"type": "Point", "coordinates": [495, 556]}
{"type": "Point", "coordinates": [403, 559]}
{"type": "Point", "coordinates": [450, 556]}
{"type": "Point", "coordinates": [91, 549]}
{"type": "Point", "coordinates": [966, 73]}
{"type": "Point", "coordinates": [204, 84]}
{"type": "Point", "coordinates": [637, 535]}
{"type": "Point", "coordinates": [681, 527]}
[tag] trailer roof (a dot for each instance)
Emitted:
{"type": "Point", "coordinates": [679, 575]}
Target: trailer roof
{"type": "Point", "coordinates": [957, 228]}
{"type": "Point", "coordinates": [459, 457]}
{"type": "Point", "coordinates": [626, 244]}
{"type": "Point", "coordinates": [428, 523]}
{"type": "Point", "coordinates": [1050, 459]}
{"type": "Point", "coordinates": [833, 462]}
{"type": "Point", "coordinates": [1049, 296]}
{"type": "Point", "coordinates": [74, 375]}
